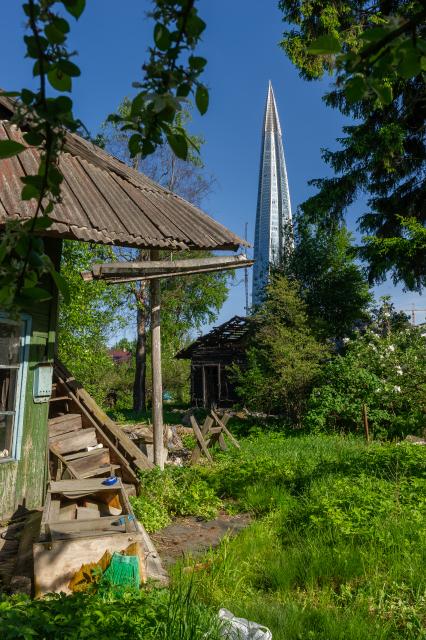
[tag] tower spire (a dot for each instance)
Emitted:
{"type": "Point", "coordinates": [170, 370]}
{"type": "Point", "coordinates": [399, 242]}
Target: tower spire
{"type": "Point", "coordinates": [273, 232]}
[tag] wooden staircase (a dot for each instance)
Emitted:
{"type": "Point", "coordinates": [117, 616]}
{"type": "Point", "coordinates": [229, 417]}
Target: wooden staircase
{"type": "Point", "coordinates": [83, 441]}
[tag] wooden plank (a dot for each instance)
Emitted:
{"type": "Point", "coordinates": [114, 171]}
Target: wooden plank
{"type": "Point", "coordinates": [154, 269]}
{"type": "Point", "coordinates": [100, 470]}
{"type": "Point", "coordinates": [157, 384]}
{"type": "Point", "coordinates": [23, 572]}
{"type": "Point", "coordinates": [87, 513]}
{"type": "Point", "coordinates": [64, 424]}
{"type": "Point", "coordinates": [90, 485]}
{"type": "Point", "coordinates": [222, 443]}
{"type": "Point", "coordinates": [55, 506]}
{"type": "Point", "coordinates": [228, 433]}
{"type": "Point", "coordinates": [62, 463]}
{"type": "Point", "coordinates": [74, 441]}
{"type": "Point", "coordinates": [83, 454]}
{"type": "Point", "coordinates": [87, 463]}
{"type": "Point", "coordinates": [118, 524]}
{"type": "Point", "coordinates": [200, 438]}
{"type": "Point", "coordinates": [68, 512]}
{"type": "Point", "coordinates": [123, 450]}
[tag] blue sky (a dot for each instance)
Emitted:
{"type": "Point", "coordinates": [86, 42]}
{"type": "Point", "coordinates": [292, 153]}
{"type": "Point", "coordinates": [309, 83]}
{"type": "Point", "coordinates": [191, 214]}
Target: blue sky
{"type": "Point", "coordinates": [241, 45]}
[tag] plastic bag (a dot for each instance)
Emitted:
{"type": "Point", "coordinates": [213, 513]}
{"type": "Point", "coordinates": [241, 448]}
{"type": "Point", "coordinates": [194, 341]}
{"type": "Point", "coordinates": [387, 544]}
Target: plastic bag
{"type": "Point", "coordinates": [233, 628]}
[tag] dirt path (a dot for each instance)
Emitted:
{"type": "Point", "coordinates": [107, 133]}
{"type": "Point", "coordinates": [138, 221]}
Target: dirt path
{"type": "Point", "coordinates": [193, 536]}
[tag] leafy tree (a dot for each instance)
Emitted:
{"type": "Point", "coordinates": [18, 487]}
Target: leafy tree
{"type": "Point", "coordinates": [376, 52]}
{"type": "Point", "coordinates": [385, 371]}
{"type": "Point", "coordinates": [93, 315]}
{"type": "Point", "coordinates": [283, 358]}
{"type": "Point", "coordinates": [170, 75]}
{"type": "Point", "coordinates": [189, 301]}
{"type": "Point", "coordinates": [332, 285]}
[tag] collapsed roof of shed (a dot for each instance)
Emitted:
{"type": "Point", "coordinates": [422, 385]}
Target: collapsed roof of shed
{"type": "Point", "coordinates": [107, 202]}
{"type": "Point", "coordinates": [230, 334]}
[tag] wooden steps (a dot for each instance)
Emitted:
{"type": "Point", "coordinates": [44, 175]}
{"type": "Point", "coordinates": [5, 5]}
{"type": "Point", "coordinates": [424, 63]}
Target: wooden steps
{"type": "Point", "coordinates": [84, 442]}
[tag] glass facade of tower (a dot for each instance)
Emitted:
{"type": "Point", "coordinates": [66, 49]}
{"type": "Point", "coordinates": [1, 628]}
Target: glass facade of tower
{"type": "Point", "coordinates": [273, 232]}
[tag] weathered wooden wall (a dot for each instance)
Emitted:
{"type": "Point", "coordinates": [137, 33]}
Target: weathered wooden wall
{"type": "Point", "coordinates": [23, 482]}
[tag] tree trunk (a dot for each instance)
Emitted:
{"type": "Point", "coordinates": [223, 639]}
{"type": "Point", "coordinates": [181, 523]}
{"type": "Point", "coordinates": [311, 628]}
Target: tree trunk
{"type": "Point", "coordinates": [139, 384]}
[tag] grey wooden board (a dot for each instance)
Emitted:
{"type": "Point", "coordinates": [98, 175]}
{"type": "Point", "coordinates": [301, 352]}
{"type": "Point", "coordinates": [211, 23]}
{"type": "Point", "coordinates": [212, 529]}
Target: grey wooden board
{"type": "Point", "coordinates": [86, 464]}
{"type": "Point", "coordinates": [83, 454]}
{"type": "Point", "coordinates": [102, 470]}
{"type": "Point", "coordinates": [64, 424]}
{"type": "Point", "coordinates": [74, 441]}
{"type": "Point", "coordinates": [91, 484]}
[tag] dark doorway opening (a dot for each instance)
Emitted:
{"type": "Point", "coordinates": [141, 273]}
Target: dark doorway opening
{"type": "Point", "coordinates": [211, 386]}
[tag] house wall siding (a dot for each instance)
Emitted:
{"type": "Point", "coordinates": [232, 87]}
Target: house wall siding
{"type": "Point", "coordinates": [23, 482]}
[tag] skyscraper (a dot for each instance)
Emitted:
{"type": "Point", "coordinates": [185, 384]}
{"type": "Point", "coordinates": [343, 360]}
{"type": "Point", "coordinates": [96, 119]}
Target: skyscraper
{"type": "Point", "coordinates": [273, 232]}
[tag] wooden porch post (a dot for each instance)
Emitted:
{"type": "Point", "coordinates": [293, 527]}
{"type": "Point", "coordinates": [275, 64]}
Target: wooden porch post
{"type": "Point", "coordinates": [157, 383]}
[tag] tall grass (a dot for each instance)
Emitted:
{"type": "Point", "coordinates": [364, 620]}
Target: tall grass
{"type": "Point", "coordinates": [339, 550]}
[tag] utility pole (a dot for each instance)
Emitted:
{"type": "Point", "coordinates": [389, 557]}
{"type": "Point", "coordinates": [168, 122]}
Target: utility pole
{"type": "Point", "coordinates": [246, 277]}
{"type": "Point", "coordinates": [157, 384]}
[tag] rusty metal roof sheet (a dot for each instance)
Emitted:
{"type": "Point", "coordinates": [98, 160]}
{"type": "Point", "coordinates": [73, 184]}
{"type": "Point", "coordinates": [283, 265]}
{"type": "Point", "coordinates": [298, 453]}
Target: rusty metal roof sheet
{"type": "Point", "coordinates": [105, 201]}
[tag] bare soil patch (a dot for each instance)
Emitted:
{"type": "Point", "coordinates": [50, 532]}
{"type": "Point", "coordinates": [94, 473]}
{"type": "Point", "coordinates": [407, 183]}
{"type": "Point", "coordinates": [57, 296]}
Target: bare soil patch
{"type": "Point", "coordinates": [191, 536]}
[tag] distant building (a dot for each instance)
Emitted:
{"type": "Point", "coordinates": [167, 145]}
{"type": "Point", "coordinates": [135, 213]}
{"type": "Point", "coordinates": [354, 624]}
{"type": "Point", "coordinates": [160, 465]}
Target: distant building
{"type": "Point", "coordinates": [273, 232]}
{"type": "Point", "coordinates": [211, 356]}
{"type": "Point", "coordinates": [120, 356]}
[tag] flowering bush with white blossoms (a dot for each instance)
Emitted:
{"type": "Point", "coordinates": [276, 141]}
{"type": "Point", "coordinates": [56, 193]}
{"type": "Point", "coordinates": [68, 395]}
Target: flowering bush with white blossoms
{"type": "Point", "coordinates": [387, 373]}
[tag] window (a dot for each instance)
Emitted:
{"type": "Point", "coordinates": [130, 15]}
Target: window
{"type": "Point", "coordinates": [13, 368]}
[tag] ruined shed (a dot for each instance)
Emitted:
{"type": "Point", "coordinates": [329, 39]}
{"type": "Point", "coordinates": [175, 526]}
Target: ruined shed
{"type": "Point", "coordinates": [211, 356]}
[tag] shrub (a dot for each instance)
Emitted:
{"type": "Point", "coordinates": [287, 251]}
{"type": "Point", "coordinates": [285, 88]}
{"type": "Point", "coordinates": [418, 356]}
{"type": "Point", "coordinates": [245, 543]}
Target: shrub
{"type": "Point", "coordinates": [176, 491]}
{"type": "Point", "coordinates": [385, 372]}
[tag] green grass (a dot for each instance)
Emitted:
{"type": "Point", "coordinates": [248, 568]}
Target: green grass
{"type": "Point", "coordinates": [338, 552]}
{"type": "Point", "coordinates": [156, 614]}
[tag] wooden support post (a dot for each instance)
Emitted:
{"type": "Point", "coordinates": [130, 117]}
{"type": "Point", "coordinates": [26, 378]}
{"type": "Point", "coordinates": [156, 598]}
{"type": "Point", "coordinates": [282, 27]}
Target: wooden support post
{"type": "Point", "coordinates": [157, 383]}
{"type": "Point", "coordinates": [365, 421]}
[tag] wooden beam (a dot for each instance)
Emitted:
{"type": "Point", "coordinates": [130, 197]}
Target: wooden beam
{"type": "Point", "coordinates": [157, 383]}
{"type": "Point", "coordinates": [117, 272]}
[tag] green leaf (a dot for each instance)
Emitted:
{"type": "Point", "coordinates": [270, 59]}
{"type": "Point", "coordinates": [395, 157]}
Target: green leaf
{"type": "Point", "coordinates": [179, 145]}
{"type": "Point", "coordinates": [75, 7]}
{"type": "Point", "coordinates": [202, 99]}
{"type": "Point", "coordinates": [410, 66]}
{"type": "Point", "coordinates": [62, 104]}
{"type": "Point", "coordinates": [325, 45]}
{"type": "Point", "coordinates": [10, 94]}
{"type": "Point", "coordinates": [356, 88]}
{"type": "Point", "coordinates": [134, 144]}
{"type": "Point", "coordinates": [68, 67]}
{"type": "Point", "coordinates": [383, 91]}
{"type": "Point", "coordinates": [197, 62]}
{"type": "Point", "coordinates": [161, 36]}
{"type": "Point", "coordinates": [10, 148]}
{"type": "Point", "coordinates": [61, 284]}
{"type": "Point", "coordinates": [27, 96]}
{"type": "Point", "coordinates": [194, 25]}
{"type": "Point", "coordinates": [36, 294]}
{"type": "Point", "coordinates": [374, 34]}
{"type": "Point", "coordinates": [29, 192]}
{"type": "Point", "coordinates": [54, 35]}
{"type": "Point", "coordinates": [42, 223]}
{"type": "Point", "coordinates": [59, 81]}
{"type": "Point", "coordinates": [183, 90]}
{"type": "Point", "coordinates": [61, 24]}
{"type": "Point", "coordinates": [33, 138]}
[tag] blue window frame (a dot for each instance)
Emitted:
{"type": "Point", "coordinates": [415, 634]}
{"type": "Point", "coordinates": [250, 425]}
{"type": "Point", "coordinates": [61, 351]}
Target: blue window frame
{"type": "Point", "coordinates": [14, 352]}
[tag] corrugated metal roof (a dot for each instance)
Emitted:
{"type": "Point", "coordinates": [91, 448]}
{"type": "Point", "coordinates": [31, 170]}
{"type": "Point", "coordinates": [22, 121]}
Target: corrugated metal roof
{"type": "Point", "coordinates": [105, 201]}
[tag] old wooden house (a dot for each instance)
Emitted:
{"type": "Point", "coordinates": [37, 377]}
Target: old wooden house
{"type": "Point", "coordinates": [103, 201]}
{"type": "Point", "coordinates": [211, 356]}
